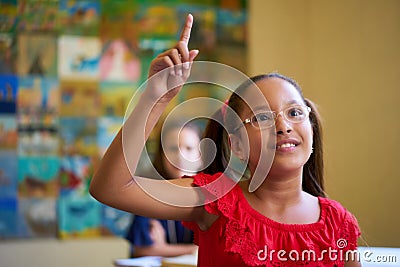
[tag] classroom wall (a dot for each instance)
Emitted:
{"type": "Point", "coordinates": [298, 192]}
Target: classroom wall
{"type": "Point", "coordinates": [345, 54]}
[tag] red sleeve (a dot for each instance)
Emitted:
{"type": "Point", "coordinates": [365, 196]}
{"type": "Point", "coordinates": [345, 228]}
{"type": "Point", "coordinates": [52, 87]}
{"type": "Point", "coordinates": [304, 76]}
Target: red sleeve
{"type": "Point", "coordinates": [213, 188]}
{"type": "Point", "coordinates": [351, 231]}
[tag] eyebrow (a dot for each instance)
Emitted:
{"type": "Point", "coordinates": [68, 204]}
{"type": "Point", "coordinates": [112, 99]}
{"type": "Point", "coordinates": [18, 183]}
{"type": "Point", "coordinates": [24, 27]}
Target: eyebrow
{"type": "Point", "coordinates": [291, 102]}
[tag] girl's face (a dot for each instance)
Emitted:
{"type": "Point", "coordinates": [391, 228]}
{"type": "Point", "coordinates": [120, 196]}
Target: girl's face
{"type": "Point", "coordinates": [293, 144]}
{"type": "Point", "coordinates": [181, 152]}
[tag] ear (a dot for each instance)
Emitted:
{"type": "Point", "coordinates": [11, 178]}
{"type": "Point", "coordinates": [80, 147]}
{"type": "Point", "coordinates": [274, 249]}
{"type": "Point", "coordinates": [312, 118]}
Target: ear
{"type": "Point", "coordinates": [237, 147]}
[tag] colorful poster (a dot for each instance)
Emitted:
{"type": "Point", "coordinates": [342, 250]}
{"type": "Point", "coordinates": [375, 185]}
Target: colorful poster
{"type": "Point", "coordinates": [231, 26]}
{"type": "Point", "coordinates": [115, 97]}
{"type": "Point", "coordinates": [149, 48]}
{"type": "Point", "coordinates": [78, 136]}
{"type": "Point", "coordinates": [119, 62]}
{"type": "Point", "coordinates": [8, 131]}
{"type": "Point", "coordinates": [203, 35]}
{"type": "Point", "coordinates": [8, 94]}
{"type": "Point", "coordinates": [8, 173]}
{"type": "Point", "coordinates": [34, 15]}
{"type": "Point", "coordinates": [8, 54]}
{"type": "Point", "coordinates": [75, 172]}
{"type": "Point", "coordinates": [8, 15]}
{"type": "Point", "coordinates": [157, 21]}
{"type": "Point", "coordinates": [78, 57]}
{"type": "Point", "coordinates": [38, 105]}
{"type": "Point", "coordinates": [37, 217]}
{"type": "Point", "coordinates": [37, 176]}
{"type": "Point", "coordinates": [232, 35]}
{"type": "Point", "coordinates": [79, 17]}
{"type": "Point", "coordinates": [79, 98]}
{"type": "Point", "coordinates": [79, 215]}
{"type": "Point", "coordinates": [118, 21]}
{"type": "Point", "coordinates": [8, 217]}
{"type": "Point", "coordinates": [115, 222]}
{"type": "Point", "coordinates": [37, 54]}
{"type": "Point", "coordinates": [108, 128]}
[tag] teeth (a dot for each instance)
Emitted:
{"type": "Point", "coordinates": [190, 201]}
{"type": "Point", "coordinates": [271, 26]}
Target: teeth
{"type": "Point", "coordinates": [286, 145]}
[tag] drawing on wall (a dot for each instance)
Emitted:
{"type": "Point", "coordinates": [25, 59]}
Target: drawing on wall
{"type": "Point", "coordinates": [119, 62]}
{"type": "Point", "coordinates": [108, 128]}
{"type": "Point", "coordinates": [36, 15]}
{"type": "Point", "coordinates": [79, 17]}
{"type": "Point", "coordinates": [37, 217]}
{"type": "Point", "coordinates": [78, 136]}
{"type": "Point", "coordinates": [8, 53]}
{"type": "Point", "coordinates": [75, 173]}
{"type": "Point", "coordinates": [8, 15]}
{"type": "Point", "coordinates": [8, 132]}
{"type": "Point", "coordinates": [115, 222]}
{"type": "Point", "coordinates": [115, 97]}
{"type": "Point", "coordinates": [79, 215]}
{"type": "Point", "coordinates": [37, 54]}
{"type": "Point", "coordinates": [8, 173]}
{"type": "Point", "coordinates": [37, 176]}
{"type": "Point", "coordinates": [8, 217]}
{"type": "Point", "coordinates": [79, 98]}
{"type": "Point", "coordinates": [78, 57]}
{"type": "Point", "coordinates": [118, 21]}
{"type": "Point", "coordinates": [38, 107]}
{"type": "Point", "coordinates": [8, 94]}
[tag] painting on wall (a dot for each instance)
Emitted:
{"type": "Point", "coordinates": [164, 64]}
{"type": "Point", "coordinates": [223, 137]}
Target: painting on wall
{"type": "Point", "coordinates": [8, 94]}
{"type": "Point", "coordinates": [8, 53]}
{"type": "Point", "coordinates": [79, 215]}
{"type": "Point", "coordinates": [78, 57]}
{"type": "Point", "coordinates": [37, 54]}
{"type": "Point", "coordinates": [79, 17]}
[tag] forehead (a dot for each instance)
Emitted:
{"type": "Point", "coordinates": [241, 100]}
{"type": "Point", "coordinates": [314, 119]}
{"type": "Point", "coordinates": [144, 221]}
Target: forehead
{"type": "Point", "coordinates": [186, 135]}
{"type": "Point", "coordinates": [274, 92]}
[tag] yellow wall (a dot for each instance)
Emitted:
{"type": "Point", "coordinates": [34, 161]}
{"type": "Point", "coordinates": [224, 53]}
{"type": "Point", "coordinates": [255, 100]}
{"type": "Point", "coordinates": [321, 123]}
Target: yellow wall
{"type": "Point", "coordinates": [346, 56]}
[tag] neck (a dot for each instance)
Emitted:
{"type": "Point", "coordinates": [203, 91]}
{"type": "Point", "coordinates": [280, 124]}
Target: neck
{"type": "Point", "coordinates": [281, 190]}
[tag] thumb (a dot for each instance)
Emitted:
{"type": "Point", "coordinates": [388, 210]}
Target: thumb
{"type": "Point", "coordinates": [193, 54]}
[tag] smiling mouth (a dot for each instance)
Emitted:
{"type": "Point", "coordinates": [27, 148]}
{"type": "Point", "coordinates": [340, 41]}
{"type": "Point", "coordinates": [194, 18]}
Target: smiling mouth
{"type": "Point", "coordinates": [287, 145]}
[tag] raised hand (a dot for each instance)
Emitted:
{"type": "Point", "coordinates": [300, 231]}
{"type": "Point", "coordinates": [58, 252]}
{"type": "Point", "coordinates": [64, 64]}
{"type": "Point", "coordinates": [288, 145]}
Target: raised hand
{"type": "Point", "coordinates": [164, 85]}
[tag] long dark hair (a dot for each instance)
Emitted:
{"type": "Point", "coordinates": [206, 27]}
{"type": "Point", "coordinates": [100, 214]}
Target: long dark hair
{"type": "Point", "coordinates": [313, 170]}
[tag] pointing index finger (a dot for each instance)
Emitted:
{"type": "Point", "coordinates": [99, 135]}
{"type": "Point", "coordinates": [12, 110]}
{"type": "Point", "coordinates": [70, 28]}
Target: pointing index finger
{"type": "Point", "coordinates": [185, 35]}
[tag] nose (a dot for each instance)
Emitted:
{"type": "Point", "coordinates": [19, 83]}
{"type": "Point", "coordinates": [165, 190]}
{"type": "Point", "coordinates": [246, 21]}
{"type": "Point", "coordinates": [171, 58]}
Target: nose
{"type": "Point", "coordinates": [282, 126]}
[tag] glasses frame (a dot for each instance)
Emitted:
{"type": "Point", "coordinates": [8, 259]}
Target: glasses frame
{"type": "Point", "coordinates": [276, 115]}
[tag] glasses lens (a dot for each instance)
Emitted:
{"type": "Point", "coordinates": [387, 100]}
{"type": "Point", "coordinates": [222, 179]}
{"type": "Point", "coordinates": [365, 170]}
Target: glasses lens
{"type": "Point", "coordinates": [296, 113]}
{"type": "Point", "coordinates": [263, 119]}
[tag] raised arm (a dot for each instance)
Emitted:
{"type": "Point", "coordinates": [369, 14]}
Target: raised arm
{"type": "Point", "coordinates": [112, 182]}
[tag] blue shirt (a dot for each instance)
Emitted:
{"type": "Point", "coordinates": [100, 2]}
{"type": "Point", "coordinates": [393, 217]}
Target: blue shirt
{"type": "Point", "coordinates": [138, 232]}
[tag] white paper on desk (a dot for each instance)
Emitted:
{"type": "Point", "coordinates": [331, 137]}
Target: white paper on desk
{"type": "Point", "coordinates": [190, 260]}
{"type": "Point", "coordinates": [149, 261]}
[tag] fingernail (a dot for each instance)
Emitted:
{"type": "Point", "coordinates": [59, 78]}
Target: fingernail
{"type": "Point", "coordinates": [186, 65]}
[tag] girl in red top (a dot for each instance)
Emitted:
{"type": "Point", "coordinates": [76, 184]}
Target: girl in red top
{"type": "Point", "coordinates": [279, 216]}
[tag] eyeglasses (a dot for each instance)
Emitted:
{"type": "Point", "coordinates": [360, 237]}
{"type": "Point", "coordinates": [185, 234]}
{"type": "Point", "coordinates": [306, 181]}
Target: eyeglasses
{"type": "Point", "coordinates": [266, 119]}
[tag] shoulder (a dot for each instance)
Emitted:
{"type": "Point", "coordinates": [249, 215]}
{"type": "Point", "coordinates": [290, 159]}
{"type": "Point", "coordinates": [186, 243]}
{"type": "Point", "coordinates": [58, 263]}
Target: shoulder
{"type": "Point", "coordinates": [340, 218]}
{"type": "Point", "coordinates": [335, 208]}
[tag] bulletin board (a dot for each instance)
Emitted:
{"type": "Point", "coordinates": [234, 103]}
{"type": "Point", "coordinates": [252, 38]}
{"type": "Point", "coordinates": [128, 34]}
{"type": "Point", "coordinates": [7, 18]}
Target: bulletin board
{"type": "Point", "coordinates": [68, 70]}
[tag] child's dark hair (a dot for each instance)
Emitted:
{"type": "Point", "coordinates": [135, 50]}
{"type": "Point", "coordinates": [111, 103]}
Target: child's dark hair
{"type": "Point", "coordinates": [313, 170]}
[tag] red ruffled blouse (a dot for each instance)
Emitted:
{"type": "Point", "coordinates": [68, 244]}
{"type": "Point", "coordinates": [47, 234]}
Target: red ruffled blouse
{"type": "Point", "coordinates": [241, 236]}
